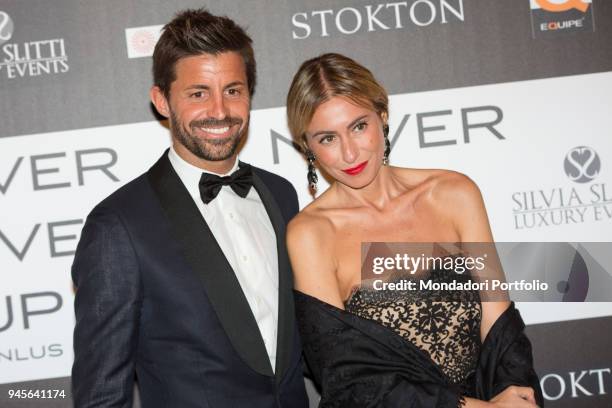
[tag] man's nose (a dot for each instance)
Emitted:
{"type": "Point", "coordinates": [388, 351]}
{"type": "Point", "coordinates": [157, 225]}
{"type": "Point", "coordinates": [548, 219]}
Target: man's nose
{"type": "Point", "coordinates": [217, 108]}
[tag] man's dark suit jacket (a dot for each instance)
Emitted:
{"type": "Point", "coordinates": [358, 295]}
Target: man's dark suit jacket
{"type": "Point", "coordinates": [157, 298]}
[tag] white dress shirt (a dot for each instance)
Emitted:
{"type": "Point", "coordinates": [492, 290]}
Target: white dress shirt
{"type": "Point", "coordinates": [246, 236]}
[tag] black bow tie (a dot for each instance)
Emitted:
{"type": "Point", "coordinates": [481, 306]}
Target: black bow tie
{"type": "Point", "coordinates": [240, 181]}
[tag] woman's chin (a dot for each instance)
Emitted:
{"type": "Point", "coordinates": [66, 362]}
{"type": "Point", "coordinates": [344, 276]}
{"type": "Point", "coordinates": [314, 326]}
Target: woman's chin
{"type": "Point", "coordinates": [356, 184]}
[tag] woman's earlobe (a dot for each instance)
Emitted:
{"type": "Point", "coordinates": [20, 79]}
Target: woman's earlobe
{"type": "Point", "coordinates": [384, 116]}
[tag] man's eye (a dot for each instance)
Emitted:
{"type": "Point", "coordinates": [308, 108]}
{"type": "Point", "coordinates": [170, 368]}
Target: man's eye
{"type": "Point", "coordinates": [233, 92]}
{"type": "Point", "coordinates": [198, 94]}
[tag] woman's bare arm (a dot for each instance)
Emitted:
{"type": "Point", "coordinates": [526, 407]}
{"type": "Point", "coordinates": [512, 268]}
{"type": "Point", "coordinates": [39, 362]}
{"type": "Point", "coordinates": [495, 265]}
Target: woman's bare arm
{"type": "Point", "coordinates": [461, 199]}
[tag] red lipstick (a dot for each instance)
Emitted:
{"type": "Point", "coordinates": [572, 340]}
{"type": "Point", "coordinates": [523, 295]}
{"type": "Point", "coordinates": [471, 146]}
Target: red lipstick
{"type": "Point", "coordinates": [357, 169]}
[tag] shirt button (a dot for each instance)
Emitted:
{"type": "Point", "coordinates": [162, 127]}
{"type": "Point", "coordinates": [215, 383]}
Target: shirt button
{"type": "Point", "coordinates": [245, 258]}
{"type": "Point", "coordinates": [231, 215]}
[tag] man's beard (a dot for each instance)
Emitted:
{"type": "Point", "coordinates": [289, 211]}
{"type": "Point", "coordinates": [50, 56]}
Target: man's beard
{"type": "Point", "coordinates": [209, 149]}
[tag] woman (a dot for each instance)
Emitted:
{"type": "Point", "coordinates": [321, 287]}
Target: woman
{"type": "Point", "coordinates": [361, 352]}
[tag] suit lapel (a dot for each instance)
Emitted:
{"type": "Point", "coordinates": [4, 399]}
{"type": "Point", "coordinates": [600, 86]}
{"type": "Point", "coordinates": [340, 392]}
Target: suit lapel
{"type": "Point", "coordinates": [286, 314]}
{"type": "Point", "coordinates": [206, 258]}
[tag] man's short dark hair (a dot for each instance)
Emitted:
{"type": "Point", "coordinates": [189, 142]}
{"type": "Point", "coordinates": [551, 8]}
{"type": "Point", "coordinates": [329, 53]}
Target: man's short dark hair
{"type": "Point", "coordinates": [196, 32]}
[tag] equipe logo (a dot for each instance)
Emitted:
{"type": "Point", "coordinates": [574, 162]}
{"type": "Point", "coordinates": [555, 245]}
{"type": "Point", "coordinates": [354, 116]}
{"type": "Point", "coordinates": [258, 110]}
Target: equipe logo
{"type": "Point", "coordinates": [556, 17]}
{"type": "Point", "coordinates": [6, 27]}
{"type": "Point", "coordinates": [565, 5]}
{"type": "Point", "coordinates": [582, 164]}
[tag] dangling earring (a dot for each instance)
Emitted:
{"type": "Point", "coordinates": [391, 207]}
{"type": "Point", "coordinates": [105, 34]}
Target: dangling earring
{"type": "Point", "coordinates": [387, 145]}
{"type": "Point", "coordinates": [312, 173]}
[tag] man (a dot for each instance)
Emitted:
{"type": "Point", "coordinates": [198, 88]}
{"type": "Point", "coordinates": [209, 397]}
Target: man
{"type": "Point", "coordinates": [182, 275]}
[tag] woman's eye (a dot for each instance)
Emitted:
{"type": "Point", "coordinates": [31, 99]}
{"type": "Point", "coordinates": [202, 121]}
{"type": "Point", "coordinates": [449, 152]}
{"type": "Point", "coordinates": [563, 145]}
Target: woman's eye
{"type": "Point", "coordinates": [360, 126]}
{"type": "Point", "coordinates": [327, 139]}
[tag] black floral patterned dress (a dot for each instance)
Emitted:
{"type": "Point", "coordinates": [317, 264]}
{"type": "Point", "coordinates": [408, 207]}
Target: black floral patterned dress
{"type": "Point", "coordinates": [418, 349]}
{"type": "Point", "coordinates": [445, 325]}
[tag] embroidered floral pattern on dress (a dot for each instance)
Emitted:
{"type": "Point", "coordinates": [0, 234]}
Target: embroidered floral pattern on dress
{"type": "Point", "coordinates": [444, 324]}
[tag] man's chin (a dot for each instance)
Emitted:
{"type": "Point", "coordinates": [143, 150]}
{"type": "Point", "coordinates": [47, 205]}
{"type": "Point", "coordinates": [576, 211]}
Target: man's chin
{"type": "Point", "coordinates": [217, 158]}
{"type": "Point", "coordinates": [212, 143]}
{"type": "Point", "coordinates": [216, 152]}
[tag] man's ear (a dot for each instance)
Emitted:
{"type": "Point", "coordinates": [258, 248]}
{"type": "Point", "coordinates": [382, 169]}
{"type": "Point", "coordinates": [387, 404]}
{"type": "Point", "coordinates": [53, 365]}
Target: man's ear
{"type": "Point", "coordinates": [159, 100]}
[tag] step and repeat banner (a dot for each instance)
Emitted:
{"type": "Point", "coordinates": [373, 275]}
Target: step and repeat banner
{"type": "Point", "coordinates": [514, 93]}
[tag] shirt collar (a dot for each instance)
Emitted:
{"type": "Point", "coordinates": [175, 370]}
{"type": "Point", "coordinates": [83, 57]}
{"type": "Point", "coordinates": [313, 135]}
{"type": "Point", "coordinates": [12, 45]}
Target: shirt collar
{"type": "Point", "coordinates": [189, 174]}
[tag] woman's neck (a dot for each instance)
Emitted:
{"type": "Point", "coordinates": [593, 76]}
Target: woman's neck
{"type": "Point", "coordinates": [384, 188]}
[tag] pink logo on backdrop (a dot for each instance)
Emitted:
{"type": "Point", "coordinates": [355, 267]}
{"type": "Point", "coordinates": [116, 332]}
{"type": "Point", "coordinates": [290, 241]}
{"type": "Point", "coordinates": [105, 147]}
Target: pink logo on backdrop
{"type": "Point", "coordinates": [141, 41]}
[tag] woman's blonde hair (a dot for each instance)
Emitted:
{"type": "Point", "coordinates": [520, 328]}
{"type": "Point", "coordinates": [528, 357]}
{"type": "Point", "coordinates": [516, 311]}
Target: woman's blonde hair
{"type": "Point", "coordinates": [320, 79]}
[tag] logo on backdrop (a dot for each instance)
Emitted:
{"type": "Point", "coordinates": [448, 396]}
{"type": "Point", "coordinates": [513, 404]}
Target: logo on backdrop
{"type": "Point", "coordinates": [381, 17]}
{"type": "Point", "coordinates": [141, 41]}
{"type": "Point", "coordinates": [6, 27]}
{"type": "Point", "coordinates": [584, 197]}
{"type": "Point", "coordinates": [582, 164]}
{"type": "Point", "coordinates": [551, 18]}
{"type": "Point", "coordinates": [29, 59]}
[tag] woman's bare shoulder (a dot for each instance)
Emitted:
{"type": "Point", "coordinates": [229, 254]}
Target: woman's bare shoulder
{"type": "Point", "coordinates": [317, 215]}
{"type": "Point", "coordinates": [310, 237]}
{"type": "Point", "coordinates": [440, 185]}
{"type": "Point", "coordinates": [452, 189]}
{"type": "Point", "coordinates": [430, 177]}
{"type": "Point", "coordinates": [310, 226]}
